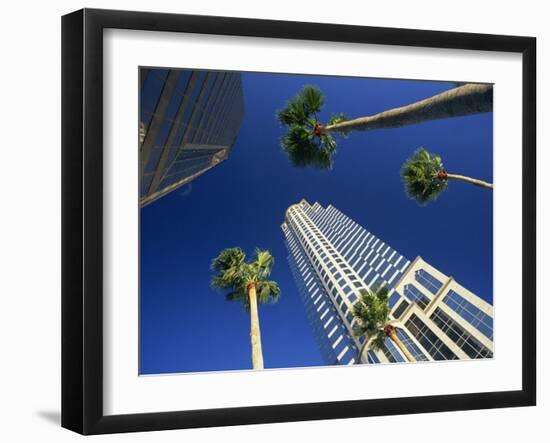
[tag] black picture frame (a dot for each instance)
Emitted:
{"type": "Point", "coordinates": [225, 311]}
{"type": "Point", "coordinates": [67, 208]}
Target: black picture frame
{"type": "Point", "coordinates": [82, 218]}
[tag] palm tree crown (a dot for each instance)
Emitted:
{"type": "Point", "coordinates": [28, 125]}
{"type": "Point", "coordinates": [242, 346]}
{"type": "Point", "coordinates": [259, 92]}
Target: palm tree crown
{"type": "Point", "coordinates": [424, 176]}
{"type": "Point", "coordinates": [311, 143]}
{"type": "Point", "coordinates": [372, 315]}
{"type": "Point", "coordinates": [305, 142]}
{"type": "Point", "coordinates": [236, 275]}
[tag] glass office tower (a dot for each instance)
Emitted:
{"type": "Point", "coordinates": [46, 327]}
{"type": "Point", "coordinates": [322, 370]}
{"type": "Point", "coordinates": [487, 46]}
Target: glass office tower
{"type": "Point", "coordinates": [189, 121]}
{"type": "Point", "coordinates": [332, 259]}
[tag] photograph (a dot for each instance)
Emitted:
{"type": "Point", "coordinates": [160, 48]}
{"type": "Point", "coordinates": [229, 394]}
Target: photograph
{"type": "Point", "coordinates": [294, 220]}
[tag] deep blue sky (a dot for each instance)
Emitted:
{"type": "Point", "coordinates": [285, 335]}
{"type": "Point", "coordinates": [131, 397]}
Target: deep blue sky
{"type": "Point", "coordinates": [187, 326]}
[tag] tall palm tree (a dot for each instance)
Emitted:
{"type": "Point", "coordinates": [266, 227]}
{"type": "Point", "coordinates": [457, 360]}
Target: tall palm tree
{"type": "Point", "coordinates": [248, 284]}
{"type": "Point", "coordinates": [372, 315]}
{"type": "Point", "coordinates": [425, 178]}
{"type": "Point", "coordinates": [308, 142]}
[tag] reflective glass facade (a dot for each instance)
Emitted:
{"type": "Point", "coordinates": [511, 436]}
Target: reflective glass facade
{"type": "Point", "coordinates": [189, 121]}
{"type": "Point", "coordinates": [332, 258]}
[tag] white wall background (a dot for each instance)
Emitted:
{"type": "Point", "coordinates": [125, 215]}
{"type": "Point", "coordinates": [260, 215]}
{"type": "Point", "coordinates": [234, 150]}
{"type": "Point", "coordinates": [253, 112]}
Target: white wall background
{"type": "Point", "coordinates": [30, 217]}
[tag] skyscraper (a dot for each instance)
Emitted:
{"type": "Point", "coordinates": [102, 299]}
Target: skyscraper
{"type": "Point", "coordinates": [332, 259]}
{"type": "Point", "coordinates": [189, 121]}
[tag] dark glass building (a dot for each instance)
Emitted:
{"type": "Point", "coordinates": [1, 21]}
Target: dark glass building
{"type": "Point", "coordinates": [189, 121]}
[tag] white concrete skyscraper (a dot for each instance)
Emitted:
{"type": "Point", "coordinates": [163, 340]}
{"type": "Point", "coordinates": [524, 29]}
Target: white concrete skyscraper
{"type": "Point", "coordinates": [333, 259]}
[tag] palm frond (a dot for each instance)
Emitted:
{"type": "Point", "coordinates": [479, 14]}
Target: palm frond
{"type": "Point", "coordinates": [322, 159]}
{"type": "Point", "coordinates": [294, 113]}
{"type": "Point", "coordinates": [312, 98]}
{"type": "Point", "coordinates": [339, 118]}
{"type": "Point", "coordinates": [360, 329]}
{"type": "Point", "coordinates": [236, 275]}
{"type": "Point", "coordinates": [263, 262]}
{"type": "Point", "coordinates": [328, 144]}
{"type": "Point", "coordinates": [268, 291]}
{"type": "Point", "coordinates": [371, 313]}
{"type": "Point", "coordinates": [220, 281]}
{"type": "Point", "coordinates": [302, 151]}
{"type": "Point", "coordinates": [305, 143]}
{"type": "Point", "coordinates": [228, 258]}
{"type": "Point", "coordinates": [420, 177]}
{"type": "Point", "coordinates": [379, 341]}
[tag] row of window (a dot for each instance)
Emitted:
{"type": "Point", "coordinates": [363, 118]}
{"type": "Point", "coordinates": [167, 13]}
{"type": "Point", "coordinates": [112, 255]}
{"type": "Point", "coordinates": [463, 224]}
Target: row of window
{"type": "Point", "coordinates": [179, 107]}
{"type": "Point", "coordinates": [463, 339]}
{"type": "Point", "coordinates": [313, 297]}
{"type": "Point", "coordinates": [416, 296]}
{"type": "Point", "coordinates": [471, 313]}
{"type": "Point", "coordinates": [337, 347]}
{"type": "Point", "coordinates": [428, 339]}
{"type": "Point", "coordinates": [427, 280]}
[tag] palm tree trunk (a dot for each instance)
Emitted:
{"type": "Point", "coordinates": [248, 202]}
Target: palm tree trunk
{"type": "Point", "coordinates": [255, 337]}
{"type": "Point", "coordinates": [473, 181]}
{"type": "Point", "coordinates": [464, 100]}
{"type": "Point", "coordinates": [393, 336]}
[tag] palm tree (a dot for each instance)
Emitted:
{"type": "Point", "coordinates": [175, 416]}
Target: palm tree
{"type": "Point", "coordinates": [425, 178]}
{"type": "Point", "coordinates": [308, 142]}
{"type": "Point", "coordinates": [372, 315]}
{"type": "Point", "coordinates": [248, 284]}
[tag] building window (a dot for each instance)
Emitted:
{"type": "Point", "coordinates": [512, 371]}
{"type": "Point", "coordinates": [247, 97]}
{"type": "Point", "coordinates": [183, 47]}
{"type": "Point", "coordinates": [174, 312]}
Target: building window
{"type": "Point", "coordinates": [376, 261]}
{"type": "Point", "coordinates": [372, 358]}
{"type": "Point", "coordinates": [464, 340]}
{"type": "Point", "coordinates": [411, 346]}
{"type": "Point", "coordinates": [385, 267]}
{"type": "Point", "coordinates": [377, 284]}
{"type": "Point", "coordinates": [471, 313]}
{"type": "Point", "coordinates": [391, 352]}
{"type": "Point", "coordinates": [393, 299]}
{"type": "Point", "coordinates": [400, 309]}
{"type": "Point", "coordinates": [429, 340]}
{"type": "Point", "coordinates": [413, 294]}
{"type": "Point", "coordinates": [428, 281]}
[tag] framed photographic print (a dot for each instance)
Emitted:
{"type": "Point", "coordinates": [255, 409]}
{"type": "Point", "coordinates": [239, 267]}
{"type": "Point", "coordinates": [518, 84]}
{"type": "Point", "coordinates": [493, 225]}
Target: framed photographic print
{"type": "Point", "coordinates": [270, 221]}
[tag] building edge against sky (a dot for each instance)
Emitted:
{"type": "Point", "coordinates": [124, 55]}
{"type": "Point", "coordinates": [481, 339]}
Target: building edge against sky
{"type": "Point", "coordinates": [332, 258]}
{"type": "Point", "coordinates": [189, 121]}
